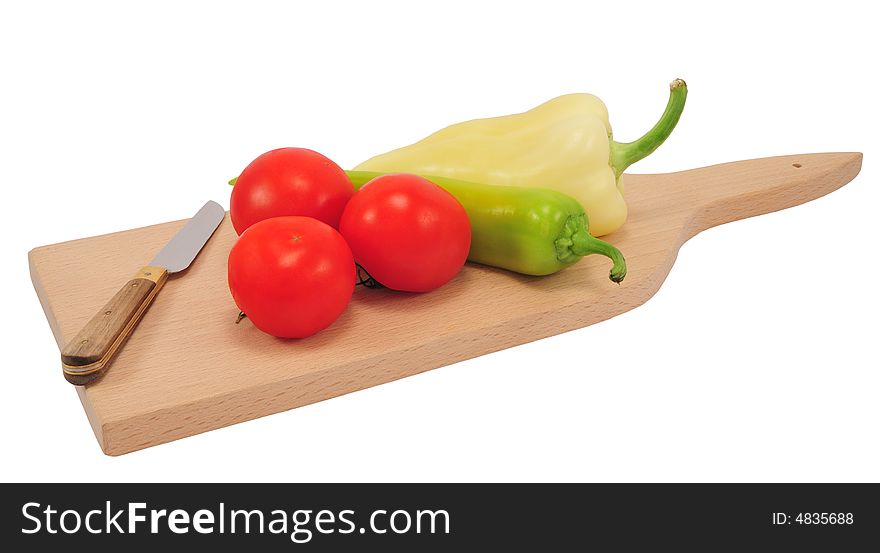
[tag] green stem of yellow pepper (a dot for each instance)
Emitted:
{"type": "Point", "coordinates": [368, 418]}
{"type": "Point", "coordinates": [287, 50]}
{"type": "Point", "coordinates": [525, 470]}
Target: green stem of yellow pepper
{"type": "Point", "coordinates": [625, 154]}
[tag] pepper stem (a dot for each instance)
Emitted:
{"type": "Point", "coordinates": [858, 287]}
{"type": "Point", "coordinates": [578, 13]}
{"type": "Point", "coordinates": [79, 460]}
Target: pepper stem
{"type": "Point", "coordinates": [625, 154]}
{"type": "Point", "coordinates": [583, 243]}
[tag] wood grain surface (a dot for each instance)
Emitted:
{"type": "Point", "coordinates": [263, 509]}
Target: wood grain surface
{"type": "Point", "coordinates": [189, 369]}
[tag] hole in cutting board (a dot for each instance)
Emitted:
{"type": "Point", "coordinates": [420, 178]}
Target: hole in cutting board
{"type": "Point", "coordinates": [796, 165]}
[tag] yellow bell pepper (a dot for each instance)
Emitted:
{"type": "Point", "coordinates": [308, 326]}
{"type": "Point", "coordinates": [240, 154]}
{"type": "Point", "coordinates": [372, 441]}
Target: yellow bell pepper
{"type": "Point", "coordinates": [564, 144]}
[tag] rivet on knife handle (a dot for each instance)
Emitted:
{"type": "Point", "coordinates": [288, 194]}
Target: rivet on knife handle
{"type": "Point", "coordinates": [90, 351]}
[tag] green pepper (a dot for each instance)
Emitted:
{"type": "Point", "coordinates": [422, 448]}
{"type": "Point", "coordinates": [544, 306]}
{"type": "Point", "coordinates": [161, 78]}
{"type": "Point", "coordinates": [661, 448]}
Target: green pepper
{"type": "Point", "coordinates": [534, 231]}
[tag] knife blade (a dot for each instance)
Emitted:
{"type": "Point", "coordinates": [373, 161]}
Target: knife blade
{"type": "Point", "coordinates": [90, 351]}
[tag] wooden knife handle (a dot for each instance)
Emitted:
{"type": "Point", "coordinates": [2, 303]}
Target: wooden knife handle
{"type": "Point", "coordinates": [89, 352]}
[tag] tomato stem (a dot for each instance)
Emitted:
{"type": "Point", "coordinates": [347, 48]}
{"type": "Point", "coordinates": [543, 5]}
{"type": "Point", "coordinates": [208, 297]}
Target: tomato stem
{"type": "Point", "coordinates": [365, 279]}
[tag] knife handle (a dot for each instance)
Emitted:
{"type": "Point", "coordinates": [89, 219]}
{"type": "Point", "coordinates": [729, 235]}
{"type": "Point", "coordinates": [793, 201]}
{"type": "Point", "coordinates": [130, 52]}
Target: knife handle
{"type": "Point", "coordinates": [89, 352]}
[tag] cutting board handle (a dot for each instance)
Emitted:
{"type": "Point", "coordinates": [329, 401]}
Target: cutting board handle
{"type": "Point", "coordinates": [741, 189]}
{"type": "Point", "coordinates": [89, 352]}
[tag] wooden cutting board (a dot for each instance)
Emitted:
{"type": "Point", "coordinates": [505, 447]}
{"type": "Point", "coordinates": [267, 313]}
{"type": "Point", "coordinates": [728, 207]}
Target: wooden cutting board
{"type": "Point", "coordinates": [188, 368]}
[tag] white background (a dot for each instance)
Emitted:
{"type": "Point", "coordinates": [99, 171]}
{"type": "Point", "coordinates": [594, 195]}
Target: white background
{"type": "Point", "coordinates": [756, 361]}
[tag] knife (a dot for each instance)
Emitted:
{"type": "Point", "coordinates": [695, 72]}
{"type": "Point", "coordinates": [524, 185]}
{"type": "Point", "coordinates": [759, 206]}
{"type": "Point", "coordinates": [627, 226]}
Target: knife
{"type": "Point", "coordinates": [89, 352]}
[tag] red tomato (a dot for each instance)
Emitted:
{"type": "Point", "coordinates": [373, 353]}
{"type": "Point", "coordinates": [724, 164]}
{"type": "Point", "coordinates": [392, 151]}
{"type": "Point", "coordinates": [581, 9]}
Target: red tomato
{"type": "Point", "coordinates": [407, 232]}
{"type": "Point", "coordinates": [289, 181]}
{"type": "Point", "coordinates": [292, 276]}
